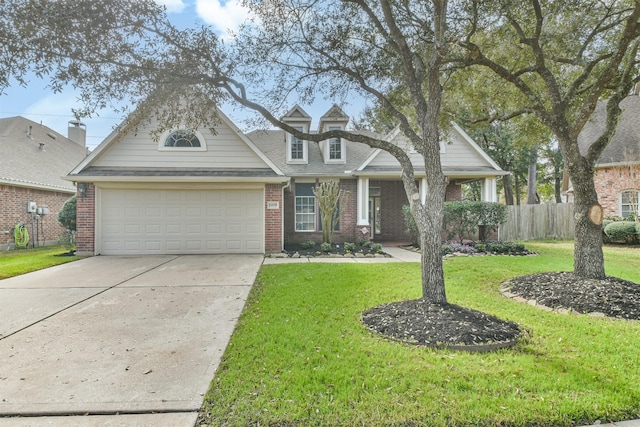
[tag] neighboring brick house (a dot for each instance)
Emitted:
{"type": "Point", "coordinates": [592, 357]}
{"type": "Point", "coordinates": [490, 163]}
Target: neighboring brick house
{"type": "Point", "coordinates": [227, 192]}
{"type": "Point", "coordinates": [617, 175]}
{"type": "Point", "coordinates": [33, 161]}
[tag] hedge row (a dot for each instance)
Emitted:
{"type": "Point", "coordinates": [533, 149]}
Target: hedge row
{"type": "Point", "coordinates": [621, 231]}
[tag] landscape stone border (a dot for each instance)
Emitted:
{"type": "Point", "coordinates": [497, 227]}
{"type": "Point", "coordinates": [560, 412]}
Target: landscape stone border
{"type": "Point", "coordinates": [474, 348]}
{"type": "Point", "coordinates": [505, 289]}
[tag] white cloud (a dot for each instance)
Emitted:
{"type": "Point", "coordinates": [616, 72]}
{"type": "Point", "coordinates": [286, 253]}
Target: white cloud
{"type": "Point", "coordinates": [173, 6]}
{"type": "Point", "coordinates": [222, 15]}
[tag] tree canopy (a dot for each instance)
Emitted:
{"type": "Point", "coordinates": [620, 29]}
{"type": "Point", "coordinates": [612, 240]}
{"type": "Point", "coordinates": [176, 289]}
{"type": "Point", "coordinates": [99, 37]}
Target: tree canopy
{"type": "Point", "coordinates": [556, 60]}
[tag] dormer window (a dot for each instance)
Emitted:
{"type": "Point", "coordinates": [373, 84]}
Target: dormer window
{"type": "Point", "coordinates": [296, 148]}
{"type": "Point", "coordinates": [334, 148]}
{"type": "Point", "coordinates": [182, 140]}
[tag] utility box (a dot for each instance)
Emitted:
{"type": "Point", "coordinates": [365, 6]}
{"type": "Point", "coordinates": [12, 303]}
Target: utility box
{"type": "Point", "coordinates": [42, 211]}
{"type": "Point", "coordinates": [31, 207]}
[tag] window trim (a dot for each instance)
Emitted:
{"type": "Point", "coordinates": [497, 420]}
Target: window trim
{"type": "Point", "coordinates": [166, 134]}
{"type": "Point", "coordinates": [305, 150]}
{"type": "Point", "coordinates": [314, 203]}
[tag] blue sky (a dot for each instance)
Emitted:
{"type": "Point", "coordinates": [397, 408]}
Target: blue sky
{"type": "Point", "coordinates": [38, 103]}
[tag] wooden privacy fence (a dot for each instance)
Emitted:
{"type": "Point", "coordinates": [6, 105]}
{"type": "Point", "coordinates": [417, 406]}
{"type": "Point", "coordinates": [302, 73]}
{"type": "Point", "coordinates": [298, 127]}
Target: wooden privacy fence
{"type": "Point", "coordinates": [535, 222]}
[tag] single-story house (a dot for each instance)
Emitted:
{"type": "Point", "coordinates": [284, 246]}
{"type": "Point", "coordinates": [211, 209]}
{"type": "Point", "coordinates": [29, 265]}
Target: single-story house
{"type": "Point", "coordinates": [617, 171]}
{"type": "Point", "coordinates": [34, 160]}
{"type": "Point", "coordinates": [227, 192]}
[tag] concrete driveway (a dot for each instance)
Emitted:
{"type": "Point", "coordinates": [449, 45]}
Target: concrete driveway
{"type": "Point", "coordinates": [133, 336]}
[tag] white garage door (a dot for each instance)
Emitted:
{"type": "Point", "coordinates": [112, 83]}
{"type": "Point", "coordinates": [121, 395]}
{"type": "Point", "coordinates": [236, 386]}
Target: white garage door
{"type": "Point", "coordinates": [180, 221]}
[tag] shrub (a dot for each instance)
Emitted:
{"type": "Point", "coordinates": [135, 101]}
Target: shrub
{"type": "Point", "coordinates": [458, 248]}
{"type": "Point", "coordinates": [325, 247]}
{"type": "Point", "coordinates": [68, 239]}
{"type": "Point", "coordinates": [350, 247]}
{"type": "Point", "coordinates": [67, 215]}
{"type": "Point", "coordinates": [481, 247]}
{"type": "Point", "coordinates": [605, 222]}
{"type": "Point", "coordinates": [506, 248]}
{"type": "Point", "coordinates": [463, 218]}
{"type": "Point", "coordinates": [623, 231]}
{"type": "Point", "coordinates": [309, 244]}
{"type": "Point", "coordinates": [363, 242]}
{"type": "Point", "coordinates": [376, 247]}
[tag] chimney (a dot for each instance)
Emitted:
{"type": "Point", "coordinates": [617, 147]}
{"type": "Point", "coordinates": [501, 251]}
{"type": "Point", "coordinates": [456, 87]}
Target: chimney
{"type": "Point", "coordinates": [77, 132]}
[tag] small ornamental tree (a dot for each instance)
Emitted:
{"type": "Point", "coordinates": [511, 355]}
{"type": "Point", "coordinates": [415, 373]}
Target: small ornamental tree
{"type": "Point", "coordinates": [332, 203]}
{"type": "Point", "coordinates": [464, 218]}
{"type": "Point", "coordinates": [67, 215]}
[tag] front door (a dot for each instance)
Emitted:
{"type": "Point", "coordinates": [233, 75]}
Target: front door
{"type": "Point", "coordinates": [375, 203]}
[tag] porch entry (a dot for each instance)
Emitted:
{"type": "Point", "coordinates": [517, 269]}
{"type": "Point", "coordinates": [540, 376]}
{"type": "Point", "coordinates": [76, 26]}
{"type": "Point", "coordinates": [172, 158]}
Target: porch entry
{"type": "Point", "coordinates": [375, 204]}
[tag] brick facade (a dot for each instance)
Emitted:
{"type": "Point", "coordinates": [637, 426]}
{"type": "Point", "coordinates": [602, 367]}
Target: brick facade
{"type": "Point", "coordinates": [347, 225]}
{"type": "Point", "coordinates": [392, 193]}
{"type": "Point", "coordinates": [391, 221]}
{"type": "Point", "coordinates": [610, 182]}
{"type": "Point", "coordinates": [86, 221]}
{"type": "Point", "coordinates": [13, 211]}
{"type": "Point", "coordinates": [273, 218]}
{"type": "Point", "coordinates": [393, 198]}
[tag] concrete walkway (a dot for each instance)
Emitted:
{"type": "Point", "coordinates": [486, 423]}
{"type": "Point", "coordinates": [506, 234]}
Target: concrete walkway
{"type": "Point", "coordinates": [140, 337]}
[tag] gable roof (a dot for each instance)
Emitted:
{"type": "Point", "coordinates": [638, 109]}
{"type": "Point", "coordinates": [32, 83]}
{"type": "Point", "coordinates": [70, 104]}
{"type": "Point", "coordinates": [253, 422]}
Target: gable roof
{"type": "Point", "coordinates": [460, 156]}
{"type": "Point", "coordinates": [624, 147]}
{"type": "Point", "coordinates": [102, 164]}
{"type": "Point", "coordinates": [297, 114]}
{"type": "Point", "coordinates": [25, 162]}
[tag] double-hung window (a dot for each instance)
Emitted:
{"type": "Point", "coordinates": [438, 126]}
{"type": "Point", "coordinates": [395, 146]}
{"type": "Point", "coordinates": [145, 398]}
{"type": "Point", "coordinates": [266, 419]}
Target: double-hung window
{"type": "Point", "coordinates": [629, 203]}
{"type": "Point", "coordinates": [335, 146]}
{"type": "Point", "coordinates": [296, 146]}
{"type": "Point", "coordinates": [305, 208]}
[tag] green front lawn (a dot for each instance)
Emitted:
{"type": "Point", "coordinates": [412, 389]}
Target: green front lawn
{"type": "Point", "coordinates": [300, 355]}
{"type": "Point", "coordinates": [21, 261]}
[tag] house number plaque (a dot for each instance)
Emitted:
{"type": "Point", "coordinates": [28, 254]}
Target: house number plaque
{"type": "Point", "coordinates": [273, 204]}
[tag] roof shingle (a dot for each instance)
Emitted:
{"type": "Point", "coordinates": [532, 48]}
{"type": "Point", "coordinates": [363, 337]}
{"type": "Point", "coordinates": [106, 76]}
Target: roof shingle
{"type": "Point", "coordinates": [33, 155]}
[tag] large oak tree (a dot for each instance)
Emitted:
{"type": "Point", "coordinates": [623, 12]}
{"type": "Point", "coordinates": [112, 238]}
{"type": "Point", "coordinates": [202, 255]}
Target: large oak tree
{"type": "Point", "coordinates": [127, 51]}
{"type": "Point", "coordinates": [557, 60]}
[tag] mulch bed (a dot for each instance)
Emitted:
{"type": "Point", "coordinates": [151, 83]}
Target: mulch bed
{"type": "Point", "coordinates": [296, 250]}
{"type": "Point", "coordinates": [451, 326]}
{"type": "Point", "coordinates": [441, 325]}
{"type": "Point", "coordinates": [611, 296]}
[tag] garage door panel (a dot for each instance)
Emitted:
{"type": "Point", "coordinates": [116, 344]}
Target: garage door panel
{"type": "Point", "coordinates": [175, 222]}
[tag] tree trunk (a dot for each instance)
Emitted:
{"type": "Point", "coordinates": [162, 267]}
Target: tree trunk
{"type": "Point", "coordinates": [588, 259]}
{"type": "Point", "coordinates": [517, 184]}
{"type": "Point", "coordinates": [531, 179]}
{"type": "Point", "coordinates": [508, 189]}
{"type": "Point", "coordinates": [558, 188]}
{"type": "Point", "coordinates": [430, 220]}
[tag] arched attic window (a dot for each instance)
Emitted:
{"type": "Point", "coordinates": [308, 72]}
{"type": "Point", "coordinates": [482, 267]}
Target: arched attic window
{"type": "Point", "coordinates": [182, 140]}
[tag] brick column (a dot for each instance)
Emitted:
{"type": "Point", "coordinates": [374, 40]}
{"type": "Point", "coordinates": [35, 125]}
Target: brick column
{"type": "Point", "coordinates": [86, 220]}
{"type": "Point", "coordinates": [273, 209]}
